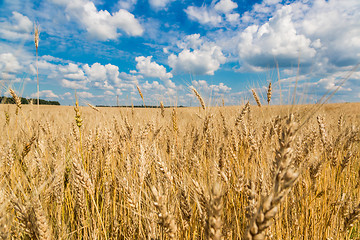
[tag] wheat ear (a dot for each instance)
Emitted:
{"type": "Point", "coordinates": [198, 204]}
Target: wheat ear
{"type": "Point", "coordinates": [215, 208]}
{"type": "Point", "coordinates": [197, 94]}
{"type": "Point", "coordinates": [352, 217]}
{"type": "Point", "coordinates": [284, 179]}
{"type": "Point", "coordinates": [42, 224]}
{"type": "Point", "coordinates": [256, 97]}
{"type": "Point", "coordinates": [269, 93]}
{"type": "Point", "coordinates": [16, 98]}
{"type": "Point", "coordinates": [162, 109]}
{"type": "Point", "coordinates": [141, 95]}
{"type": "Point", "coordinates": [167, 220]}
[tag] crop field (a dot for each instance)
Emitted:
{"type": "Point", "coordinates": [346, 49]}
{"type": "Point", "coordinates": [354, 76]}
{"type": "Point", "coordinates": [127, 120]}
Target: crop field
{"type": "Point", "coordinates": [239, 172]}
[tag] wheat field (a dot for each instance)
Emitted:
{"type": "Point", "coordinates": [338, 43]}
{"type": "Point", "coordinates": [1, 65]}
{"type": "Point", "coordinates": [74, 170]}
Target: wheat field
{"type": "Point", "coordinates": [242, 172]}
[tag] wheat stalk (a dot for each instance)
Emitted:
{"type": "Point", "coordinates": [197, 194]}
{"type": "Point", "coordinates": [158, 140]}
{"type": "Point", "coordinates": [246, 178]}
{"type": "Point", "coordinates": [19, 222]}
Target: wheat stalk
{"type": "Point", "coordinates": [93, 107]}
{"type": "Point", "coordinates": [36, 41]}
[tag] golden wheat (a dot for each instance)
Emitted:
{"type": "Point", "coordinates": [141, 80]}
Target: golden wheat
{"type": "Point", "coordinates": [231, 173]}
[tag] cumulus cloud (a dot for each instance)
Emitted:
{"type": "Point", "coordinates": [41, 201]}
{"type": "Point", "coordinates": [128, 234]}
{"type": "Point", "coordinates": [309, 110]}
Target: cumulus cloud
{"type": "Point", "coordinates": [203, 15]}
{"type": "Point", "coordinates": [276, 39]}
{"type": "Point", "coordinates": [203, 86]}
{"type": "Point", "coordinates": [336, 25]}
{"type": "Point", "coordinates": [102, 76]}
{"type": "Point", "coordinates": [95, 72]}
{"type": "Point", "coordinates": [331, 83]}
{"type": "Point", "coordinates": [74, 84]}
{"type": "Point", "coordinates": [73, 72]}
{"type": "Point", "coordinates": [204, 58]}
{"type": "Point", "coordinates": [151, 69]}
{"type": "Point", "coordinates": [45, 94]}
{"type": "Point", "coordinates": [9, 63]}
{"type": "Point", "coordinates": [85, 94]}
{"type": "Point", "coordinates": [324, 34]}
{"type": "Point", "coordinates": [210, 92]}
{"type": "Point", "coordinates": [214, 15]}
{"type": "Point", "coordinates": [155, 85]}
{"type": "Point", "coordinates": [67, 94]}
{"type": "Point", "coordinates": [192, 41]}
{"type": "Point", "coordinates": [225, 6]}
{"type": "Point", "coordinates": [19, 27]}
{"type": "Point", "coordinates": [130, 77]}
{"type": "Point", "coordinates": [101, 24]}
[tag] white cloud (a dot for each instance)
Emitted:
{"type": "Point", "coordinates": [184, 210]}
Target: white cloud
{"type": "Point", "coordinates": [112, 73]}
{"type": "Point", "coordinates": [9, 63]}
{"type": "Point", "coordinates": [203, 15]}
{"type": "Point", "coordinates": [232, 17]}
{"type": "Point", "coordinates": [75, 76]}
{"type": "Point", "coordinates": [221, 88]}
{"type": "Point", "coordinates": [276, 39]}
{"type": "Point", "coordinates": [101, 24]}
{"type": "Point", "coordinates": [73, 72]}
{"type": "Point", "coordinates": [19, 27]}
{"type": "Point", "coordinates": [210, 93]}
{"type": "Point", "coordinates": [151, 69]}
{"type": "Point", "coordinates": [225, 6]}
{"type": "Point", "coordinates": [155, 85]}
{"type": "Point", "coordinates": [337, 26]}
{"type": "Point", "coordinates": [70, 68]}
{"type": "Point", "coordinates": [109, 93]}
{"type": "Point", "coordinates": [127, 4]}
{"type": "Point", "coordinates": [331, 83]}
{"type": "Point", "coordinates": [96, 72]}
{"type": "Point", "coordinates": [205, 59]}
{"type": "Point", "coordinates": [103, 85]}
{"type": "Point", "coordinates": [74, 84]}
{"type": "Point", "coordinates": [215, 14]}
{"type": "Point", "coordinates": [191, 41]}
{"type": "Point", "coordinates": [131, 77]}
{"type": "Point", "coordinates": [66, 96]}
{"type": "Point", "coordinates": [157, 4]}
{"type": "Point", "coordinates": [85, 94]}
{"type": "Point", "coordinates": [51, 58]}
{"type": "Point", "coordinates": [102, 76]}
{"type": "Point", "coordinates": [45, 94]}
{"type": "Point", "coordinates": [324, 34]}
{"type": "Point", "coordinates": [202, 85]}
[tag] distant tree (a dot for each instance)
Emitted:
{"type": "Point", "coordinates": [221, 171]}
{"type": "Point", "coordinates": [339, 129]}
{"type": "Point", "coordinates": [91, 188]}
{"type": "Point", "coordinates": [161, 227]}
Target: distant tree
{"type": "Point", "coordinates": [6, 100]}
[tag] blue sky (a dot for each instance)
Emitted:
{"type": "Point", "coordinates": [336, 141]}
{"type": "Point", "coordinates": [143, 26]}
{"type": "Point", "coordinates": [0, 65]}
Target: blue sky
{"type": "Point", "coordinates": [224, 48]}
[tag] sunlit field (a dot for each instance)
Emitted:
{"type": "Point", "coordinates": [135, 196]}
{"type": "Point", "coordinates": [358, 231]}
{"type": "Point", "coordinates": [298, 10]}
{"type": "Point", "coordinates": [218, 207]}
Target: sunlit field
{"type": "Point", "coordinates": [241, 172]}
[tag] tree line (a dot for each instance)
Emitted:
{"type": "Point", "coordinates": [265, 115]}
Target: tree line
{"type": "Point", "coordinates": [6, 100]}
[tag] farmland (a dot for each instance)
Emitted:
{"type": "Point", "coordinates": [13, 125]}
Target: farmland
{"type": "Point", "coordinates": [225, 172]}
